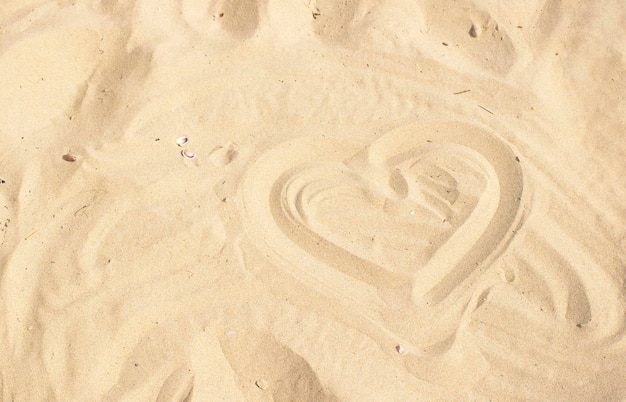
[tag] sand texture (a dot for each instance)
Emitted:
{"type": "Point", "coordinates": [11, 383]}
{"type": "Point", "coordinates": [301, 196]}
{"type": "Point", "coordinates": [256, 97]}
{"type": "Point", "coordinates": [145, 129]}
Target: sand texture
{"type": "Point", "coordinates": [390, 200]}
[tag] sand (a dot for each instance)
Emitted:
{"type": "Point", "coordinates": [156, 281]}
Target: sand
{"type": "Point", "coordinates": [389, 200]}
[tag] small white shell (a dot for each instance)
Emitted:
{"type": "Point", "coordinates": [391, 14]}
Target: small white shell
{"type": "Point", "coordinates": [187, 154]}
{"type": "Point", "coordinates": [180, 141]}
{"type": "Point", "coordinates": [400, 349]}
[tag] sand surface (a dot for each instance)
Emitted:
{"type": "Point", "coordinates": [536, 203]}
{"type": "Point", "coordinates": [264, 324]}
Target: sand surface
{"type": "Point", "coordinates": [390, 200]}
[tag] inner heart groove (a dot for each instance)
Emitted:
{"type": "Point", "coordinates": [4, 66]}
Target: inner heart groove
{"type": "Point", "coordinates": [339, 216]}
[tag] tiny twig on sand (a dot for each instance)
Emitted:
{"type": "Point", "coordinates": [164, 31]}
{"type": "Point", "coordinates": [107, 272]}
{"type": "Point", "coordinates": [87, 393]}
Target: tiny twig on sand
{"type": "Point", "coordinates": [485, 109]}
{"type": "Point", "coordinates": [461, 92]}
{"type": "Point", "coordinates": [80, 209]}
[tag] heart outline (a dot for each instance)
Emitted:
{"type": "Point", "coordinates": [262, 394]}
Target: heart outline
{"type": "Point", "coordinates": [268, 222]}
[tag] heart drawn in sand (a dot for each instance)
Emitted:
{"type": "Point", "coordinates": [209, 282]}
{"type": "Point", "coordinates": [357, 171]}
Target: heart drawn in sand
{"type": "Point", "coordinates": [420, 212]}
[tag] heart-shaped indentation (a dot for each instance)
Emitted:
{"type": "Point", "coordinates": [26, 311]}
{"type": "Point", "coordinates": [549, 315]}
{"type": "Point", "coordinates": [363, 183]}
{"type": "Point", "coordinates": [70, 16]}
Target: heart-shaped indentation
{"type": "Point", "coordinates": [401, 224]}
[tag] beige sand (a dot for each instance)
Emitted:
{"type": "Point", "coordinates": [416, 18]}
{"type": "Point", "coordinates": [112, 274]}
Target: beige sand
{"type": "Point", "coordinates": [390, 200]}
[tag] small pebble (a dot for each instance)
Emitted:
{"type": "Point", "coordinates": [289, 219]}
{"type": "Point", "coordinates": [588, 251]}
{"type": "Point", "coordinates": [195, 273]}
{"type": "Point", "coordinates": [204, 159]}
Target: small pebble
{"type": "Point", "coordinates": [69, 158]}
{"type": "Point", "coordinates": [400, 349]}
